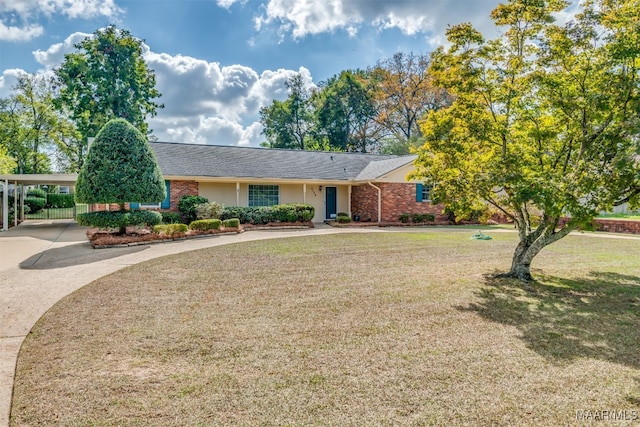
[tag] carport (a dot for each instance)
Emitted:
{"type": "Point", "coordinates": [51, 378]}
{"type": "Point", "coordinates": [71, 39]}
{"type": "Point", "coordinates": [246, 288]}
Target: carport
{"type": "Point", "coordinates": [23, 180]}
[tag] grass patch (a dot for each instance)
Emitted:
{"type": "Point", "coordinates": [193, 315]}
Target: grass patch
{"type": "Point", "coordinates": [349, 329]}
{"type": "Point", "coordinates": [629, 216]}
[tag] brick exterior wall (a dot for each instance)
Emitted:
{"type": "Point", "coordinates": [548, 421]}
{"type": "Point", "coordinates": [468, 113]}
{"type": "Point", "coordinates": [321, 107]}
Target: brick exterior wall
{"type": "Point", "coordinates": [397, 198]}
{"type": "Point", "coordinates": [364, 202]}
{"type": "Point", "coordinates": [106, 207]}
{"type": "Point", "coordinates": [179, 189]}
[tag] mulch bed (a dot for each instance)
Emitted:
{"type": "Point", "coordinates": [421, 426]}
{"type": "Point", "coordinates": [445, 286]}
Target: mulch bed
{"type": "Point", "coordinates": [141, 236]}
{"type": "Point", "coordinates": [144, 235]}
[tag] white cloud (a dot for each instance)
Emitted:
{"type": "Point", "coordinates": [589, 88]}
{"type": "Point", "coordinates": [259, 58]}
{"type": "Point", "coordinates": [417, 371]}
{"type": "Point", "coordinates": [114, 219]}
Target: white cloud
{"type": "Point", "coordinates": [8, 79]}
{"type": "Point", "coordinates": [19, 34]}
{"type": "Point", "coordinates": [207, 103]}
{"type": "Point", "coordinates": [55, 54]}
{"type": "Point", "coordinates": [18, 17]}
{"type": "Point", "coordinates": [301, 18]}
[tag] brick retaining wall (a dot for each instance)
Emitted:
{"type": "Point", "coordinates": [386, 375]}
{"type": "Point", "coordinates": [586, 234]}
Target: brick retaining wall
{"type": "Point", "coordinates": [618, 226]}
{"type": "Point", "coordinates": [613, 225]}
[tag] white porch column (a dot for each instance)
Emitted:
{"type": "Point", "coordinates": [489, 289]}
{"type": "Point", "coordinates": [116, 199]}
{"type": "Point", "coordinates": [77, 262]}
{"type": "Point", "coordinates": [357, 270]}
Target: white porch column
{"type": "Point", "coordinates": [304, 193]}
{"type": "Point", "coordinates": [15, 203]}
{"type": "Point", "coordinates": [5, 206]}
{"type": "Point", "coordinates": [349, 202]}
{"type": "Point", "coordinates": [237, 194]}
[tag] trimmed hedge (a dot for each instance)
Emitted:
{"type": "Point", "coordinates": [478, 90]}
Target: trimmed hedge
{"type": "Point", "coordinates": [36, 204]}
{"type": "Point", "coordinates": [343, 218]}
{"type": "Point", "coordinates": [60, 200]}
{"type": "Point", "coordinates": [206, 224]}
{"type": "Point", "coordinates": [170, 229]}
{"type": "Point", "coordinates": [417, 218]}
{"type": "Point", "coordinates": [292, 212]}
{"type": "Point", "coordinates": [119, 219]}
{"type": "Point", "coordinates": [36, 192]}
{"type": "Point", "coordinates": [231, 223]}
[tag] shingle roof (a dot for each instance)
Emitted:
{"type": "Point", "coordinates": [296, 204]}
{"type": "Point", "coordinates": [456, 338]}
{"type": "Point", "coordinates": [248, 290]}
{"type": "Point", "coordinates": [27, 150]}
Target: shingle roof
{"type": "Point", "coordinates": [197, 160]}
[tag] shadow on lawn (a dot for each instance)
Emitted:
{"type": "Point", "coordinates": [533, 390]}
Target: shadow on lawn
{"type": "Point", "coordinates": [597, 316]}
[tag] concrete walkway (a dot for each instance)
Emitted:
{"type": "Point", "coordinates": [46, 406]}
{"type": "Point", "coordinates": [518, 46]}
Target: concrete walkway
{"type": "Point", "coordinates": [43, 261]}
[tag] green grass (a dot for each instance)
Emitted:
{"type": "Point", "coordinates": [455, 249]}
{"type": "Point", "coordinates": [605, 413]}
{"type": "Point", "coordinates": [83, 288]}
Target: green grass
{"type": "Point", "coordinates": [349, 329]}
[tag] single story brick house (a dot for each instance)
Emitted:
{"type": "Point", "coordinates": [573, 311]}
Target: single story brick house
{"type": "Point", "coordinates": [367, 186]}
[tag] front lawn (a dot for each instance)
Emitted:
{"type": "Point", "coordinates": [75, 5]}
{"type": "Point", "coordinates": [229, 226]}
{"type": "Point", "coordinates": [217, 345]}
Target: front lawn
{"type": "Point", "coordinates": [348, 329]}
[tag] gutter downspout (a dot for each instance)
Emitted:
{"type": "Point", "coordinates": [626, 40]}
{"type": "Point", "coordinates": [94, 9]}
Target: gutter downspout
{"type": "Point", "coordinates": [5, 206]}
{"type": "Point", "coordinates": [379, 200]}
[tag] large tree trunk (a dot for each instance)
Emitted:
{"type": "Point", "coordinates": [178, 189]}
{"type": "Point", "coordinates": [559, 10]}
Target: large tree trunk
{"type": "Point", "coordinates": [531, 243]}
{"type": "Point", "coordinates": [522, 257]}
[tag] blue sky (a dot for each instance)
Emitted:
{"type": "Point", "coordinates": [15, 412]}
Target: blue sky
{"type": "Point", "coordinates": [218, 61]}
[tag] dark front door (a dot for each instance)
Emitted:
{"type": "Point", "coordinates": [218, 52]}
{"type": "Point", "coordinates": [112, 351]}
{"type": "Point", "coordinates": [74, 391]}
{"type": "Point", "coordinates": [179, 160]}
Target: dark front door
{"type": "Point", "coordinates": [331, 193]}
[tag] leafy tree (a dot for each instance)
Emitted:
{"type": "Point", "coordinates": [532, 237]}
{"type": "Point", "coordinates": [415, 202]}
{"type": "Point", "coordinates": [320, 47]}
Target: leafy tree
{"type": "Point", "coordinates": [107, 78]}
{"type": "Point", "coordinates": [404, 93]}
{"type": "Point", "coordinates": [31, 129]}
{"type": "Point", "coordinates": [545, 122]}
{"type": "Point", "coordinates": [287, 124]}
{"type": "Point", "coordinates": [7, 163]}
{"type": "Point", "coordinates": [345, 112]}
{"type": "Point", "coordinates": [120, 168]}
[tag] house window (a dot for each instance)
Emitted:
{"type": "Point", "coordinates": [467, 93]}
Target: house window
{"type": "Point", "coordinates": [264, 195]}
{"type": "Point", "coordinates": [423, 192]}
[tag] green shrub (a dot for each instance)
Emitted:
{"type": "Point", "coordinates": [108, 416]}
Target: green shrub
{"type": "Point", "coordinates": [238, 212]}
{"type": "Point", "coordinates": [262, 215]}
{"type": "Point", "coordinates": [60, 200]}
{"type": "Point", "coordinates": [305, 212]}
{"type": "Point", "coordinates": [36, 204]}
{"type": "Point", "coordinates": [343, 218]}
{"type": "Point", "coordinates": [205, 224]}
{"type": "Point", "coordinates": [170, 229]}
{"type": "Point", "coordinates": [118, 219]}
{"type": "Point", "coordinates": [425, 217]}
{"type": "Point", "coordinates": [404, 218]}
{"type": "Point", "coordinates": [231, 223]}
{"type": "Point", "coordinates": [144, 217]}
{"type": "Point", "coordinates": [284, 213]}
{"type": "Point", "coordinates": [36, 192]}
{"type": "Point", "coordinates": [170, 217]}
{"type": "Point", "coordinates": [187, 206]}
{"type": "Point", "coordinates": [211, 210]}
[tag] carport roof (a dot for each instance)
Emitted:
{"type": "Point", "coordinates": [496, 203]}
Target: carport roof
{"type": "Point", "coordinates": [45, 178]}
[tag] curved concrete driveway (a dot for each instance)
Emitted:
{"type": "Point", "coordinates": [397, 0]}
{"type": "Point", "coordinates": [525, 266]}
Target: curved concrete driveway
{"type": "Point", "coordinates": [43, 261]}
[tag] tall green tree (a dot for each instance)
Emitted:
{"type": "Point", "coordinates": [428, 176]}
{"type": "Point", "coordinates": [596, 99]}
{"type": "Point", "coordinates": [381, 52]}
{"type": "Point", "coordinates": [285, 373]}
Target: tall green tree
{"type": "Point", "coordinates": [120, 168]}
{"type": "Point", "coordinates": [288, 123]}
{"type": "Point", "coordinates": [106, 78]}
{"type": "Point", "coordinates": [404, 93]}
{"type": "Point", "coordinates": [345, 112]}
{"type": "Point", "coordinates": [546, 119]}
{"type": "Point", "coordinates": [32, 130]}
{"type": "Point", "coordinates": [7, 163]}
